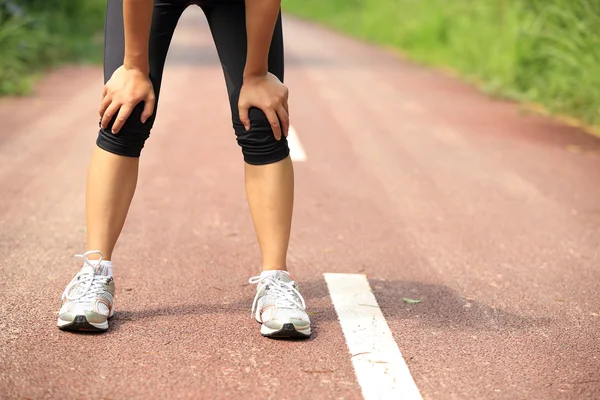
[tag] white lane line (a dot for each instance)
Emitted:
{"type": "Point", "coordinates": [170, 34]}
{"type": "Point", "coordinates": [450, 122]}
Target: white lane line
{"type": "Point", "coordinates": [297, 153]}
{"type": "Point", "coordinates": [380, 369]}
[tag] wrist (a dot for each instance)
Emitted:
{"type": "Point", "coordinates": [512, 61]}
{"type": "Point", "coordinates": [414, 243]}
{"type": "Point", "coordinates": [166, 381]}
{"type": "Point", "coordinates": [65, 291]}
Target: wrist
{"type": "Point", "coordinates": [137, 65]}
{"type": "Point", "coordinates": [255, 74]}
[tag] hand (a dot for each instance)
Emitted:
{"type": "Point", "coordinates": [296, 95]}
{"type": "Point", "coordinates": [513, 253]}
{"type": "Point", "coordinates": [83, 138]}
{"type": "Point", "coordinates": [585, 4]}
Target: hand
{"type": "Point", "coordinates": [267, 93]}
{"type": "Point", "coordinates": [125, 89]}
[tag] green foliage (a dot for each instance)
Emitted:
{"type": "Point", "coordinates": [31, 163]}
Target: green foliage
{"type": "Point", "coordinates": [545, 51]}
{"type": "Point", "coordinates": [36, 34]}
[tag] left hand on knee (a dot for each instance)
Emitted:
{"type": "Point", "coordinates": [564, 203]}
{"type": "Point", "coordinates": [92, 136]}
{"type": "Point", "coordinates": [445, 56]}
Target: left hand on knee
{"type": "Point", "coordinates": [267, 93]}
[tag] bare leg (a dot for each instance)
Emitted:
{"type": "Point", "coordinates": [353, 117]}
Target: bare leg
{"type": "Point", "coordinates": [110, 188]}
{"type": "Point", "coordinates": [270, 193]}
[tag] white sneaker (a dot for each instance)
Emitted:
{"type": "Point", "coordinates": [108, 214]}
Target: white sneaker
{"type": "Point", "coordinates": [280, 307]}
{"type": "Point", "coordinates": [88, 299]}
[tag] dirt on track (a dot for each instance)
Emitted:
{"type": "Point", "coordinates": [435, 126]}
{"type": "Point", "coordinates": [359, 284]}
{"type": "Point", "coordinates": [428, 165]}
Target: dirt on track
{"type": "Point", "coordinates": [488, 215]}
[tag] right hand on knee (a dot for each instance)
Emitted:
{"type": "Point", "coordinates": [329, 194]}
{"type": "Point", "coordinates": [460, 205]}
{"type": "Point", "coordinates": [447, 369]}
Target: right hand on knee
{"type": "Point", "coordinates": [125, 89]}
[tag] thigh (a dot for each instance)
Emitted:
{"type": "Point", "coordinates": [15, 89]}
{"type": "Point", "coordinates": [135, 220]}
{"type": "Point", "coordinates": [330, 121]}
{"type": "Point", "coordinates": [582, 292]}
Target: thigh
{"type": "Point", "coordinates": [227, 21]}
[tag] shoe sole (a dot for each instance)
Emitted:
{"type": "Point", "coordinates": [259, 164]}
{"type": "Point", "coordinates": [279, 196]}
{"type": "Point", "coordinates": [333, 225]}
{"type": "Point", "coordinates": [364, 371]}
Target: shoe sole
{"type": "Point", "coordinates": [286, 331]}
{"type": "Point", "coordinates": [81, 324]}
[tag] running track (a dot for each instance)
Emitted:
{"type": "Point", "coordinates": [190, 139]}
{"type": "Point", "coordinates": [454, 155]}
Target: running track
{"type": "Point", "coordinates": [489, 216]}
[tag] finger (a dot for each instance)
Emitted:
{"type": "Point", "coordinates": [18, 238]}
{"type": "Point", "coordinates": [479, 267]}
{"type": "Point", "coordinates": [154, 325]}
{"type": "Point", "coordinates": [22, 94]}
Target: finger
{"type": "Point", "coordinates": [122, 116]}
{"type": "Point", "coordinates": [243, 111]}
{"type": "Point", "coordinates": [109, 113]}
{"type": "Point", "coordinates": [284, 119]}
{"type": "Point", "coordinates": [148, 108]}
{"type": "Point", "coordinates": [272, 117]}
{"type": "Point", "coordinates": [285, 102]}
{"type": "Point", "coordinates": [104, 105]}
{"type": "Point", "coordinates": [286, 107]}
{"type": "Point", "coordinates": [104, 92]}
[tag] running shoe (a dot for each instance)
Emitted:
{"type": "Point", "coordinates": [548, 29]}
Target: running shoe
{"type": "Point", "coordinates": [279, 306]}
{"type": "Point", "coordinates": [88, 299]}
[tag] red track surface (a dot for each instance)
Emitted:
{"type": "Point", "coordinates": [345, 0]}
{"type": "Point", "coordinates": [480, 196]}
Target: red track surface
{"type": "Point", "coordinates": [489, 216]}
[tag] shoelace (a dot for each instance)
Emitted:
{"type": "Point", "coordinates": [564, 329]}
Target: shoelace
{"type": "Point", "coordinates": [286, 294]}
{"type": "Point", "coordinates": [92, 283]}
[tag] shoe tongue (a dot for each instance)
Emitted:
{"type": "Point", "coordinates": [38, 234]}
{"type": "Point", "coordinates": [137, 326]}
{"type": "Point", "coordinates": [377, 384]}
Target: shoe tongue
{"type": "Point", "coordinates": [281, 275]}
{"type": "Point", "coordinates": [86, 269]}
{"type": "Point", "coordinates": [100, 269]}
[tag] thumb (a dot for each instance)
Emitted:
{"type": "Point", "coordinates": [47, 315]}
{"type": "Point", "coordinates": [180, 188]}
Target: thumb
{"type": "Point", "coordinates": [243, 110]}
{"type": "Point", "coordinates": [148, 108]}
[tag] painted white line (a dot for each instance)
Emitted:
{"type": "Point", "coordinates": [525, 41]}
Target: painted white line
{"type": "Point", "coordinates": [380, 369]}
{"type": "Point", "coordinates": [297, 153]}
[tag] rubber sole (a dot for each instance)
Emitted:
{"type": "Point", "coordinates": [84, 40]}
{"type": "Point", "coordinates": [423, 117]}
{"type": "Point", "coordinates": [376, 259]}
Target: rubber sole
{"type": "Point", "coordinates": [287, 331]}
{"type": "Point", "coordinates": [81, 324]}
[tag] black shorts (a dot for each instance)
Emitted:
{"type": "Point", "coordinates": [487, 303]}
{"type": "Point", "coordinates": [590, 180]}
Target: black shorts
{"type": "Point", "coordinates": [227, 21]}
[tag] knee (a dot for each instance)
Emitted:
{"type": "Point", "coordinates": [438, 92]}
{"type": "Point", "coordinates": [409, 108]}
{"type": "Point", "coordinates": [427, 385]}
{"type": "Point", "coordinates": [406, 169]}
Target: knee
{"type": "Point", "coordinates": [130, 140]}
{"type": "Point", "coordinates": [258, 144]}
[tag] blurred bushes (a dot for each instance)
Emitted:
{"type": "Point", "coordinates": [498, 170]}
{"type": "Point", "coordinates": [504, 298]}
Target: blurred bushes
{"type": "Point", "coordinates": [545, 51]}
{"type": "Point", "coordinates": [35, 34]}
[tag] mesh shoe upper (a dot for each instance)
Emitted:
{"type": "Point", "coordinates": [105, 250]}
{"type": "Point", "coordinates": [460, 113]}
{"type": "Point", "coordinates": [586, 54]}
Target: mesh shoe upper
{"type": "Point", "coordinates": [90, 291]}
{"type": "Point", "coordinates": [278, 299]}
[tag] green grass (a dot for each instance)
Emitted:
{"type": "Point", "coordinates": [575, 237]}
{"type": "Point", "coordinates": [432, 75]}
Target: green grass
{"type": "Point", "coordinates": [542, 51]}
{"type": "Point", "coordinates": [36, 35]}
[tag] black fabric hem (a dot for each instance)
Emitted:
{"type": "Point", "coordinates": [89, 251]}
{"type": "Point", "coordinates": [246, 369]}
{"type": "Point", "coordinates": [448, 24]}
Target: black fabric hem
{"type": "Point", "coordinates": [271, 158]}
{"type": "Point", "coordinates": [111, 148]}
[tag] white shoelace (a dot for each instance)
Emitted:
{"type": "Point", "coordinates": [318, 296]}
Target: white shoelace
{"type": "Point", "coordinates": [286, 295]}
{"type": "Point", "coordinates": [92, 283]}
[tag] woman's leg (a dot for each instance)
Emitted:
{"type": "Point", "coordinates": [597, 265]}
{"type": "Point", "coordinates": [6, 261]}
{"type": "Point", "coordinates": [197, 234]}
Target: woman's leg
{"type": "Point", "coordinates": [270, 193]}
{"type": "Point", "coordinates": [268, 168]}
{"type": "Point", "coordinates": [111, 184]}
{"type": "Point", "coordinates": [278, 304]}
{"type": "Point", "coordinates": [113, 169]}
{"type": "Point", "coordinates": [88, 300]}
